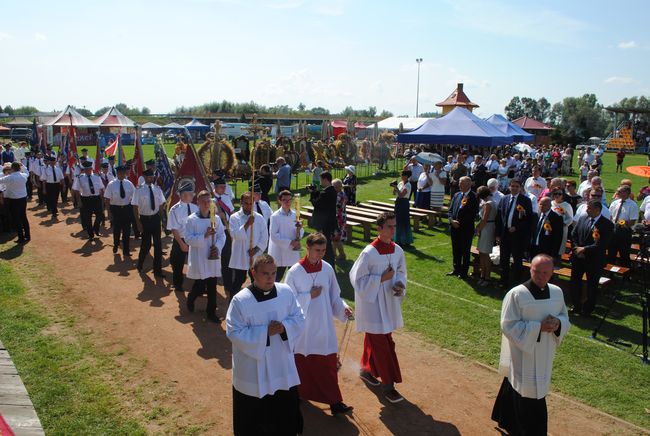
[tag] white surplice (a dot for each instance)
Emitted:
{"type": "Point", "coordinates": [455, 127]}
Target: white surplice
{"type": "Point", "coordinates": [239, 258]}
{"type": "Point", "coordinates": [319, 336]}
{"type": "Point", "coordinates": [378, 310]}
{"type": "Point", "coordinates": [259, 369]}
{"type": "Point", "coordinates": [198, 264]}
{"type": "Point", "coordinates": [527, 362]}
{"type": "Point", "coordinates": [282, 232]}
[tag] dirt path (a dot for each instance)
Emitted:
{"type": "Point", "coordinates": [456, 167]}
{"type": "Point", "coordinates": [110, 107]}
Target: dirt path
{"type": "Point", "coordinates": [446, 394]}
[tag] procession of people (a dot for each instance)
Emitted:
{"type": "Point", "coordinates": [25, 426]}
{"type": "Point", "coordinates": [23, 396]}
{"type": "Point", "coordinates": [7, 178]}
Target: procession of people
{"type": "Point", "coordinates": [282, 307]}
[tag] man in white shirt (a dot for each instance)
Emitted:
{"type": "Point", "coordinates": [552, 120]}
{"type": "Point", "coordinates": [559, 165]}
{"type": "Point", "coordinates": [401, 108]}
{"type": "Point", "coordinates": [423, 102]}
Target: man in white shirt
{"type": "Point", "coordinates": [284, 235]}
{"type": "Point", "coordinates": [15, 195]}
{"type": "Point", "coordinates": [205, 241]}
{"type": "Point", "coordinates": [624, 213]}
{"type": "Point", "coordinates": [90, 188]}
{"type": "Point", "coordinates": [117, 198]}
{"type": "Point", "coordinates": [261, 206]}
{"type": "Point", "coordinates": [313, 282]}
{"type": "Point", "coordinates": [36, 168]}
{"type": "Point", "coordinates": [225, 208]}
{"type": "Point", "coordinates": [84, 155]}
{"type": "Point", "coordinates": [416, 169]}
{"type": "Point", "coordinates": [423, 197]}
{"type": "Point", "coordinates": [535, 184]}
{"type": "Point", "coordinates": [52, 177]}
{"type": "Point", "coordinates": [148, 202]}
{"type": "Point", "coordinates": [534, 320]}
{"type": "Point", "coordinates": [245, 248]}
{"type": "Point", "coordinates": [596, 194]}
{"type": "Point", "coordinates": [378, 277]}
{"type": "Point", "coordinates": [263, 323]}
{"type": "Point", "coordinates": [645, 209]}
{"type": "Point", "coordinates": [176, 220]}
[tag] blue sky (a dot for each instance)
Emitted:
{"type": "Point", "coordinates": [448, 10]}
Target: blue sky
{"type": "Point", "coordinates": [334, 53]}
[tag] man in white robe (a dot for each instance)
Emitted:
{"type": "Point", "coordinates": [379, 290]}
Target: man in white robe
{"type": "Point", "coordinates": [534, 320]}
{"type": "Point", "coordinates": [284, 235]}
{"type": "Point", "coordinates": [263, 323]}
{"type": "Point", "coordinates": [244, 252]}
{"type": "Point", "coordinates": [204, 240]}
{"type": "Point", "coordinates": [314, 284]}
{"type": "Point", "coordinates": [379, 280]}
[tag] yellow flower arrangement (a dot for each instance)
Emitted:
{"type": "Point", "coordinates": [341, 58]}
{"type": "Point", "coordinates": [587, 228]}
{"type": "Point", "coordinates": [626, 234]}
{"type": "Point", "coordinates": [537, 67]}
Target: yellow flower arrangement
{"type": "Point", "coordinates": [547, 226]}
{"type": "Point", "coordinates": [595, 234]}
{"type": "Point", "coordinates": [559, 210]}
{"type": "Point", "coordinates": [464, 202]}
{"type": "Point", "coordinates": [621, 222]}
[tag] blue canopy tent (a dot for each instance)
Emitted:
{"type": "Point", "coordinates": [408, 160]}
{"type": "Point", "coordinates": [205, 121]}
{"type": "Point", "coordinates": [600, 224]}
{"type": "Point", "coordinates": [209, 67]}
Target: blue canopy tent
{"type": "Point", "coordinates": [459, 126]}
{"type": "Point", "coordinates": [509, 128]}
{"type": "Point", "coordinates": [197, 129]}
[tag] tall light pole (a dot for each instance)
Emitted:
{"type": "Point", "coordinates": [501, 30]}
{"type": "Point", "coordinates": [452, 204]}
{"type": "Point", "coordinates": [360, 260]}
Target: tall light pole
{"type": "Point", "coordinates": [417, 96]}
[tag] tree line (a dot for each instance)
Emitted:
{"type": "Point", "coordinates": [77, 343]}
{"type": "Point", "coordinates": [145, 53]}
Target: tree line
{"type": "Point", "coordinates": [575, 119]}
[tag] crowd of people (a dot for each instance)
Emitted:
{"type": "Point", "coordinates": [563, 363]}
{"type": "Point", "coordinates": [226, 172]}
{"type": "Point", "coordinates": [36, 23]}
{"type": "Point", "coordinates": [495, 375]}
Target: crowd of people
{"type": "Point", "coordinates": [281, 324]}
{"type": "Point", "coordinates": [289, 299]}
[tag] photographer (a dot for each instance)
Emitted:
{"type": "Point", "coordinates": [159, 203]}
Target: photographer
{"type": "Point", "coordinates": [324, 215]}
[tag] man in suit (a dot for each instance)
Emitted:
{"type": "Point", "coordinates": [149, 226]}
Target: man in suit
{"type": "Point", "coordinates": [547, 233]}
{"type": "Point", "coordinates": [462, 213]}
{"type": "Point", "coordinates": [512, 230]}
{"type": "Point", "coordinates": [589, 241]}
{"type": "Point", "coordinates": [324, 215]}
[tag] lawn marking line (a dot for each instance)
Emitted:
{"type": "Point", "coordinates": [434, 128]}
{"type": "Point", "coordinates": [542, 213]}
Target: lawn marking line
{"type": "Point", "coordinates": [588, 339]}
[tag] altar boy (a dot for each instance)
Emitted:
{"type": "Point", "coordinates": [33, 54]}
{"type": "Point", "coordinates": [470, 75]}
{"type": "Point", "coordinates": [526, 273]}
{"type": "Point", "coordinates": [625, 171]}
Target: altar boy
{"type": "Point", "coordinates": [263, 323]}
{"type": "Point", "coordinates": [379, 280]}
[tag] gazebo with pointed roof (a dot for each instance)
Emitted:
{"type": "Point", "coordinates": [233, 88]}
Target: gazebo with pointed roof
{"type": "Point", "coordinates": [69, 116]}
{"type": "Point", "coordinates": [540, 130]}
{"type": "Point", "coordinates": [458, 98]}
{"type": "Point", "coordinates": [114, 118]}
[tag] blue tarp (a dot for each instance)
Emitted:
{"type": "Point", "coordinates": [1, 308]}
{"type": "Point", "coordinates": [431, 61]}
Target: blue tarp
{"type": "Point", "coordinates": [510, 128]}
{"type": "Point", "coordinates": [196, 125]}
{"type": "Point", "coordinates": [459, 126]}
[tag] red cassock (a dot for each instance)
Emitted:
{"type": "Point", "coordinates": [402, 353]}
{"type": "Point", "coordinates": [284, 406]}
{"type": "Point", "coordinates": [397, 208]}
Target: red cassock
{"type": "Point", "coordinates": [318, 378]}
{"type": "Point", "coordinates": [379, 358]}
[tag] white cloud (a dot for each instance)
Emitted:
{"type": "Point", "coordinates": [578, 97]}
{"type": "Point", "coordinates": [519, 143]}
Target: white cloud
{"type": "Point", "coordinates": [620, 79]}
{"type": "Point", "coordinates": [524, 22]}
{"type": "Point", "coordinates": [4, 35]}
{"type": "Point", "coordinates": [627, 44]}
{"type": "Point", "coordinates": [40, 36]}
{"type": "Point", "coordinates": [290, 4]}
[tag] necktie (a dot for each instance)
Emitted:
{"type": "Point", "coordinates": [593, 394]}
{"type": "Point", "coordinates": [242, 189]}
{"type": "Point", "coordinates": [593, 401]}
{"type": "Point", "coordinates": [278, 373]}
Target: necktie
{"type": "Point", "coordinates": [113, 170]}
{"type": "Point", "coordinates": [540, 225]}
{"type": "Point", "coordinates": [510, 206]}
{"type": "Point", "coordinates": [152, 201]}
{"type": "Point", "coordinates": [54, 174]}
{"type": "Point", "coordinates": [189, 212]}
{"type": "Point", "coordinates": [122, 192]}
{"type": "Point", "coordinates": [90, 185]}
{"type": "Point", "coordinates": [618, 212]}
{"type": "Point", "coordinates": [259, 209]}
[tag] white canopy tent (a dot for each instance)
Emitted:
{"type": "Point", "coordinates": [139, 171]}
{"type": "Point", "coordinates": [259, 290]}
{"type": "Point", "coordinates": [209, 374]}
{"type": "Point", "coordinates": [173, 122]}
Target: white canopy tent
{"type": "Point", "coordinates": [392, 123]}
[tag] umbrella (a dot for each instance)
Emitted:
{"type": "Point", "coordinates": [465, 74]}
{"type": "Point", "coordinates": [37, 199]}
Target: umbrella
{"type": "Point", "coordinates": [594, 139]}
{"type": "Point", "coordinates": [640, 170]}
{"type": "Point", "coordinates": [522, 146]}
{"type": "Point", "coordinates": [425, 157]}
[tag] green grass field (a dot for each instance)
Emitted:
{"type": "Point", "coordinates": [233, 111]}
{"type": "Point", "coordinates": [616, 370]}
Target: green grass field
{"type": "Point", "coordinates": [66, 378]}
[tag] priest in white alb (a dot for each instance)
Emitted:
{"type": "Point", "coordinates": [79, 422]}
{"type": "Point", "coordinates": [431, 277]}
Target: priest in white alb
{"type": "Point", "coordinates": [284, 235]}
{"type": "Point", "coordinates": [379, 280]}
{"type": "Point", "coordinates": [263, 323]}
{"type": "Point", "coordinates": [244, 248]}
{"type": "Point", "coordinates": [313, 282]}
{"type": "Point", "coordinates": [534, 320]}
{"type": "Point", "coordinates": [206, 237]}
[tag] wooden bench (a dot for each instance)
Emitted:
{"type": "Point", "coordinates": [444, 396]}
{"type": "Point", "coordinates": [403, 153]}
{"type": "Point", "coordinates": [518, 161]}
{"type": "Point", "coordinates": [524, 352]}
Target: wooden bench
{"type": "Point", "coordinates": [559, 272]}
{"type": "Point", "coordinates": [432, 215]}
{"type": "Point", "coordinates": [376, 210]}
{"type": "Point", "coordinates": [613, 269]}
{"type": "Point", "coordinates": [359, 221]}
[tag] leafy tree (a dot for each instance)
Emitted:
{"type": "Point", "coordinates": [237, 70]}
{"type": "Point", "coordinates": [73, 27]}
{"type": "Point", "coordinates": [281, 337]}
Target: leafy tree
{"type": "Point", "coordinates": [385, 114]}
{"type": "Point", "coordinates": [544, 108]}
{"type": "Point", "coordinates": [9, 110]}
{"type": "Point", "coordinates": [435, 114]}
{"type": "Point", "coordinates": [514, 109]}
{"type": "Point", "coordinates": [85, 112]}
{"type": "Point", "coordinates": [579, 118]}
{"type": "Point", "coordinates": [25, 110]}
{"type": "Point", "coordinates": [302, 107]}
{"type": "Point", "coordinates": [319, 111]}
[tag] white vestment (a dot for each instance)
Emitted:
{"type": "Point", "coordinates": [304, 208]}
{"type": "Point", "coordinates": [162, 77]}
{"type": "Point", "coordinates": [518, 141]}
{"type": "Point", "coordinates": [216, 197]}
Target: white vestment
{"type": "Point", "coordinates": [198, 264]}
{"type": "Point", "coordinates": [259, 369]}
{"type": "Point", "coordinates": [526, 352]}
{"type": "Point", "coordinates": [319, 336]}
{"type": "Point", "coordinates": [378, 310]}
{"type": "Point", "coordinates": [239, 258]}
{"type": "Point", "coordinates": [281, 233]}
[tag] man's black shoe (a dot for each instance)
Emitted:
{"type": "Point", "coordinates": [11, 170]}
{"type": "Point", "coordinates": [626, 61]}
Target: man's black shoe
{"type": "Point", "coordinates": [190, 304]}
{"type": "Point", "coordinates": [340, 408]}
{"type": "Point", "coordinates": [114, 250]}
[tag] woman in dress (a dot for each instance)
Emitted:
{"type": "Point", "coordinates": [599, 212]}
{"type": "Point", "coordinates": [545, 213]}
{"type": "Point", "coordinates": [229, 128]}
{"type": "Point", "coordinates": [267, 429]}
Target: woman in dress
{"type": "Point", "coordinates": [560, 206]}
{"type": "Point", "coordinates": [438, 182]}
{"type": "Point", "coordinates": [350, 185]}
{"type": "Point", "coordinates": [340, 233]}
{"type": "Point", "coordinates": [485, 232]}
{"type": "Point", "coordinates": [502, 176]}
{"type": "Point", "coordinates": [403, 233]}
